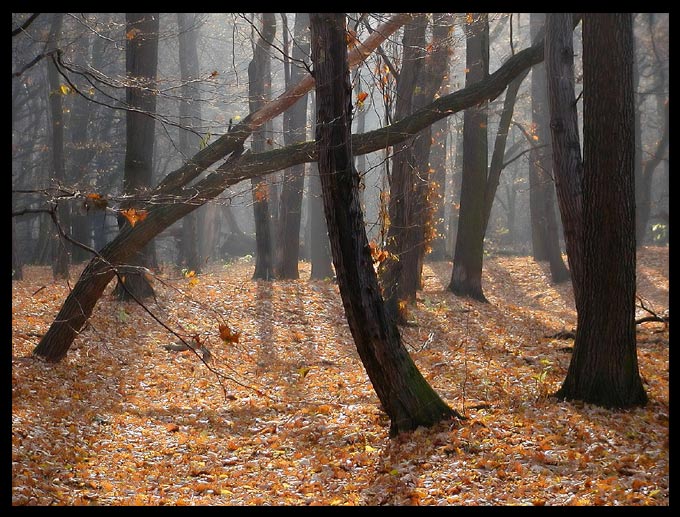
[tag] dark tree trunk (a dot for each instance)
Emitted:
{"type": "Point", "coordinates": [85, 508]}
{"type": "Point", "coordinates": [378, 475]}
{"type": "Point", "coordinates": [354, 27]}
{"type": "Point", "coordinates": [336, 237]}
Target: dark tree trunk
{"type": "Point", "coordinates": [466, 277]}
{"type": "Point", "coordinates": [259, 77]}
{"type": "Point", "coordinates": [189, 139]}
{"type": "Point", "coordinates": [80, 302]}
{"type": "Point", "coordinates": [396, 272]}
{"type": "Point", "coordinates": [405, 395]}
{"type": "Point", "coordinates": [603, 368]}
{"type": "Point", "coordinates": [60, 257]}
{"type": "Point", "coordinates": [141, 63]}
{"type": "Point", "coordinates": [294, 131]}
{"type": "Point", "coordinates": [566, 147]}
{"type": "Point", "coordinates": [319, 246]}
{"type": "Point", "coordinates": [544, 231]}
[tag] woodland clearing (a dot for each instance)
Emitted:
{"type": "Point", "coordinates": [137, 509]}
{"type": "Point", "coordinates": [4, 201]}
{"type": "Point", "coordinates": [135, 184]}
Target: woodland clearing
{"type": "Point", "coordinates": [123, 421]}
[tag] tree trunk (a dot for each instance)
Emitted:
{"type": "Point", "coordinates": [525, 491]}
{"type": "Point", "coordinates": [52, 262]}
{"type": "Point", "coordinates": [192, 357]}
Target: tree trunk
{"type": "Point", "coordinates": [405, 395]}
{"type": "Point", "coordinates": [189, 139]}
{"type": "Point", "coordinates": [566, 147]}
{"type": "Point", "coordinates": [141, 63]}
{"type": "Point", "coordinates": [259, 77]}
{"type": "Point", "coordinates": [162, 213]}
{"type": "Point", "coordinates": [603, 368]}
{"type": "Point", "coordinates": [466, 277]}
{"type": "Point", "coordinates": [396, 272]}
{"type": "Point", "coordinates": [60, 257]}
{"type": "Point", "coordinates": [545, 238]}
{"type": "Point", "coordinates": [294, 130]}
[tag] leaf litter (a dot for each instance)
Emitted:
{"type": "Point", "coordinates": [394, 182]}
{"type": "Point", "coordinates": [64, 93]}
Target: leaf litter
{"type": "Point", "coordinates": [294, 420]}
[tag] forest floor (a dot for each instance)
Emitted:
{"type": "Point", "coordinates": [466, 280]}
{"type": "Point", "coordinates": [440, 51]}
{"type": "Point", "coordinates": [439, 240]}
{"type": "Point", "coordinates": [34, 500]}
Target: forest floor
{"type": "Point", "coordinates": [123, 421]}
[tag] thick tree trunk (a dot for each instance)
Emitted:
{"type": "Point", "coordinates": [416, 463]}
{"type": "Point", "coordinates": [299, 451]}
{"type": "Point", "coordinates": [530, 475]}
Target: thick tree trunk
{"type": "Point", "coordinates": [466, 277]}
{"type": "Point", "coordinates": [294, 130]}
{"type": "Point", "coordinates": [405, 395]}
{"type": "Point", "coordinates": [141, 63]}
{"type": "Point", "coordinates": [81, 301]}
{"type": "Point", "coordinates": [259, 77]}
{"type": "Point", "coordinates": [603, 368]}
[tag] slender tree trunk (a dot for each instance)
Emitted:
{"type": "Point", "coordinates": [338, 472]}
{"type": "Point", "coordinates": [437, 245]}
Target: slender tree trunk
{"type": "Point", "coordinates": [60, 257]}
{"type": "Point", "coordinates": [294, 130]}
{"type": "Point", "coordinates": [259, 77]}
{"type": "Point", "coordinates": [440, 136]}
{"type": "Point", "coordinates": [397, 271]}
{"type": "Point", "coordinates": [466, 277]}
{"type": "Point", "coordinates": [189, 140]}
{"type": "Point", "coordinates": [141, 59]}
{"type": "Point", "coordinates": [405, 395]}
{"type": "Point", "coordinates": [544, 229]}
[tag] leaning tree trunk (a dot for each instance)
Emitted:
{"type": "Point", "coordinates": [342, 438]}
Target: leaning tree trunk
{"type": "Point", "coordinates": [466, 276]}
{"type": "Point", "coordinates": [171, 200]}
{"type": "Point", "coordinates": [603, 368]}
{"type": "Point", "coordinates": [141, 63]}
{"type": "Point", "coordinates": [405, 395]}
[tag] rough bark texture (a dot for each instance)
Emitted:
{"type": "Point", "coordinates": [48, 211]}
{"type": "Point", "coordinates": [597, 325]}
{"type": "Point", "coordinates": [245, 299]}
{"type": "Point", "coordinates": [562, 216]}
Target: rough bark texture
{"type": "Point", "coordinates": [405, 395]}
{"type": "Point", "coordinates": [466, 277]}
{"type": "Point", "coordinates": [609, 204]}
{"type": "Point", "coordinates": [604, 369]}
{"type": "Point", "coordinates": [566, 147]}
{"type": "Point", "coordinates": [169, 198]}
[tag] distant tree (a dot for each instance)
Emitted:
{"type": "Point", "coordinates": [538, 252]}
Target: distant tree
{"type": "Point", "coordinates": [141, 63]}
{"type": "Point", "coordinates": [544, 231]}
{"type": "Point", "coordinates": [466, 277]}
{"type": "Point", "coordinates": [189, 119]}
{"type": "Point", "coordinates": [294, 131]}
{"type": "Point", "coordinates": [603, 368]}
{"type": "Point", "coordinates": [259, 80]}
{"type": "Point", "coordinates": [60, 256]}
{"type": "Point", "coordinates": [405, 395]}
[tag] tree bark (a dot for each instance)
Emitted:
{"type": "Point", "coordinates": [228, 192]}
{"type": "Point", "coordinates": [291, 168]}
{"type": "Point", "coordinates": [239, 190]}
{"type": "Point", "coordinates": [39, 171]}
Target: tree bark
{"type": "Point", "coordinates": [603, 368]}
{"type": "Point", "coordinates": [405, 395]}
{"type": "Point", "coordinates": [544, 231]}
{"type": "Point", "coordinates": [466, 276]}
{"type": "Point", "coordinates": [259, 77]}
{"type": "Point", "coordinates": [294, 130]}
{"type": "Point", "coordinates": [566, 147]}
{"type": "Point", "coordinates": [169, 202]}
{"type": "Point", "coordinates": [141, 63]}
{"type": "Point", "coordinates": [60, 256]}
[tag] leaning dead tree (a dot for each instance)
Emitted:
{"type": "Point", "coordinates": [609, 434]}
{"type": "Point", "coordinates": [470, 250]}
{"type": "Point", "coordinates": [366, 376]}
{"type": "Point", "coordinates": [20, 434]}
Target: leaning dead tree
{"type": "Point", "coordinates": [172, 199]}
